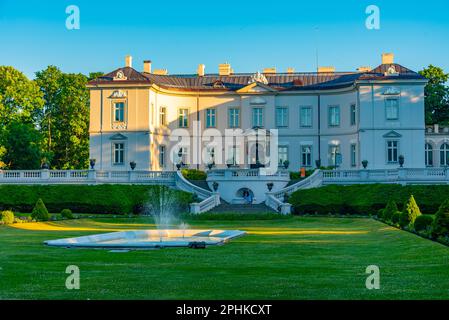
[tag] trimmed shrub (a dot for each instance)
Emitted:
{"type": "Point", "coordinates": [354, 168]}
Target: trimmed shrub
{"type": "Point", "coordinates": [396, 217]}
{"type": "Point", "coordinates": [67, 213]}
{"type": "Point", "coordinates": [440, 225]}
{"type": "Point", "coordinates": [40, 212]}
{"type": "Point", "coordinates": [365, 199]}
{"type": "Point", "coordinates": [194, 174]}
{"type": "Point", "coordinates": [410, 212]}
{"type": "Point", "coordinates": [96, 199]}
{"type": "Point", "coordinates": [7, 217]}
{"type": "Point", "coordinates": [423, 222]}
{"type": "Point", "coordinates": [390, 210]}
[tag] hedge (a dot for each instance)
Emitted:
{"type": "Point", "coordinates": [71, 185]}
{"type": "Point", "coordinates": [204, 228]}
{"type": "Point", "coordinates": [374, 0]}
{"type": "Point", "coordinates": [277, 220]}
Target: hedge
{"type": "Point", "coordinates": [365, 199]}
{"type": "Point", "coordinates": [108, 199]}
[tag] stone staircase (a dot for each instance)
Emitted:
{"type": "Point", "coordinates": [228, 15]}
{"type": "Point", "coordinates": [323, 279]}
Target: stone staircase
{"type": "Point", "coordinates": [242, 208]}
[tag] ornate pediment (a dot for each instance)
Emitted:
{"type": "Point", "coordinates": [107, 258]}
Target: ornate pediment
{"type": "Point", "coordinates": [392, 134]}
{"type": "Point", "coordinates": [256, 87]}
{"type": "Point", "coordinates": [118, 94]}
{"type": "Point", "coordinates": [392, 91]}
{"type": "Point", "coordinates": [391, 71]}
{"type": "Point", "coordinates": [118, 136]}
{"type": "Point", "coordinates": [120, 76]}
{"type": "Point", "coordinates": [258, 77]}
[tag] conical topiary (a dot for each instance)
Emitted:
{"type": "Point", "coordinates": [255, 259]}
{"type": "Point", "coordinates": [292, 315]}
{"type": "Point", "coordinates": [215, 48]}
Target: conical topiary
{"type": "Point", "coordinates": [40, 212]}
{"type": "Point", "coordinates": [440, 225]}
{"type": "Point", "coordinates": [410, 212]}
{"type": "Point", "coordinates": [390, 210]}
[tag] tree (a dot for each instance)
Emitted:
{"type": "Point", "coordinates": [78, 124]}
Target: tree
{"type": "Point", "coordinates": [440, 225]}
{"type": "Point", "coordinates": [22, 142]}
{"type": "Point", "coordinates": [410, 213]}
{"type": "Point", "coordinates": [65, 119]}
{"type": "Point", "coordinates": [436, 95]}
{"type": "Point", "coordinates": [389, 210]}
{"type": "Point", "coordinates": [94, 75]}
{"type": "Point", "coordinates": [20, 98]}
{"type": "Point", "coordinates": [40, 211]}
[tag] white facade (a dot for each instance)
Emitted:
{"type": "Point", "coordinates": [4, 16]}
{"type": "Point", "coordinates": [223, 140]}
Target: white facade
{"type": "Point", "coordinates": [338, 119]}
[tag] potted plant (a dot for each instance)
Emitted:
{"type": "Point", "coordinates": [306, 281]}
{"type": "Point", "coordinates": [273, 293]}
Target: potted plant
{"type": "Point", "coordinates": [401, 160]}
{"type": "Point", "coordinates": [365, 164]}
{"type": "Point", "coordinates": [286, 164]}
{"type": "Point", "coordinates": [215, 185]}
{"type": "Point", "coordinates": [92, 163]}
{"type": "Point", "coordinates": [132, 164]}
{"type": "Point", "coordinates": [270, 185]}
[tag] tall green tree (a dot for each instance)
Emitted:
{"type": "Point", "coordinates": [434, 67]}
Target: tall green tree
{"type": "Point", "coordinates": [22, 142]}
{"type": "Point", "coordinates": [65, 118]}
{"type": "Point", "coordinates": [436, 95]}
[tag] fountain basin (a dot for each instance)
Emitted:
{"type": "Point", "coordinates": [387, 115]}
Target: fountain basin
{"type": "Point", "coordinates": [146, 239]}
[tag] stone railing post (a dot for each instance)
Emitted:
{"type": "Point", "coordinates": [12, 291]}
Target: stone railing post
{"type": "Point", "coordinates": [286, 208]}
{"type": "Point", "coordinates": [195, 208]}
{"type": "Point", "coordinates": [45, 174]}
{"type": "Point", "coordinates": [364, 175]}
{"type": "Point", "coordinates": [132, 176]}
{"type": "Point", "coordinates": [92, 175]}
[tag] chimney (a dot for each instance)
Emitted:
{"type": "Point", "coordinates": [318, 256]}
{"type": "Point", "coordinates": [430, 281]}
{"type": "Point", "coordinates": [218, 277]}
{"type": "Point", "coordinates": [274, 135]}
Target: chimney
{"type": "Point", "coordinates": [161, 72]}
{"type": "Point", "coordinates": [224, 69]}
{"type": "Point", "coordinates": [387, 58]}
{"type": "Point", "coordinates": [269, 70]}
{"type": "Point", "coordinates": [364, 69]}
{"type": "Point", "coordinates": [129, 61]}
{"type": "Point", "coordinates": [290, 70]}
{"type": "Point", "coordinates": [329, 69]}
{"type": "Point", "coordinates": [201, 68]}
{"type": "Point", "coordinates": [147, 66]}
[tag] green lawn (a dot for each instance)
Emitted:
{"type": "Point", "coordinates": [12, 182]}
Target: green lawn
{"type": "Point", "coordinates": [293, 258]}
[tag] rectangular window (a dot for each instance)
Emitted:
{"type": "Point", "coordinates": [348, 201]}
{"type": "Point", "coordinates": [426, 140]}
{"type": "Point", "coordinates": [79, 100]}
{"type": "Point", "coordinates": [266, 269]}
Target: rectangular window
{"type": "Point", "coordinates": [282, 154]}
{"type": "Point", "coordinates": [334, 116]}
{"type": "Point", "coordinates": [182, 155]}
{"type": "Point", "coordinates": [281, 117]}
{"type": "Point", "coordinates": [163, 116]}
{"type": "Point", "coordinates": [119, 153]}
{"type": "Point", "coordinates": [161, 156]}
{"type": "Point", "coordinates": [234, 118]}
{"type": "Point", "coordinates": [353, 115]}
{"type": "Point", "coordinates": [119, 112]}
{"type": "Point", "coordinates": [306, 156]}
{"type": "Point", "coordinates": [353, 155]}
{"type": "Point", "coordinates": [257, 117]}
{"type": "Point", "coordinates": [210, 118]}
{"type": "Point", "coordinates": [183, 119]}
{"type": "Point", "coordinates": [392, 151]}
{"type": "Point", "coordinates": [392, 109]}
{"type": "Point", "coordinates": [305, 117]}
{"type": "Point", "coordinates": [233, 156]}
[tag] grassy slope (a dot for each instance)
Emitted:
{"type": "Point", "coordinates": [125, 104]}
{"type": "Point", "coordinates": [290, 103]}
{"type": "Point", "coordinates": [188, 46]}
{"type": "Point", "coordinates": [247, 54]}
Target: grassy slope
{"type": "Point", "coordinates": [296, 258]}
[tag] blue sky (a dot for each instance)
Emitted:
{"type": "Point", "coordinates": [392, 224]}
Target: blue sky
{"type": "Point", "coordinates": [251, 35]}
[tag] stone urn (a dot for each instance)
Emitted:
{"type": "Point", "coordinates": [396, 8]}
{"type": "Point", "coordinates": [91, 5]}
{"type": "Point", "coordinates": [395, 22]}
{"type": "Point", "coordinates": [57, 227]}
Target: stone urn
{"type": "Point", "coordinates": [132, 164]}
{"type": "Point", "coordinates": [92, 163]}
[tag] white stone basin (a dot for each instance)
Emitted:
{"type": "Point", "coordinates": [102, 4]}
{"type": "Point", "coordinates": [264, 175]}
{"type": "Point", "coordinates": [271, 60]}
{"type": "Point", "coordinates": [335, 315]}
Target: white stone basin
{"type": "Point", "coordinates": [149, 239]}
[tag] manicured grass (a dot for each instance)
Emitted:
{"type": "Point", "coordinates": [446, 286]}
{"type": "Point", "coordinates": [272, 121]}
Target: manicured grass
{"type": "Point", "coordinates": [293, 258]}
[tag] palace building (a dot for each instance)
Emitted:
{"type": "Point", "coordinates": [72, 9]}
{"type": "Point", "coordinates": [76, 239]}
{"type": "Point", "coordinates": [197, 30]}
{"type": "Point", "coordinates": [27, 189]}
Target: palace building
{"type": "Point", "coordinates": [325, 118]}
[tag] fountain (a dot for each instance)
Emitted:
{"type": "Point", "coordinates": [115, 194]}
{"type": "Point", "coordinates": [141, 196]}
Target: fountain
{"type": "Point", "coordinates": [162, 206]}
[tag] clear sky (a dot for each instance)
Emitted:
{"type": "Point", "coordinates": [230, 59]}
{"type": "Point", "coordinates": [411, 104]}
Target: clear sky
{"type": "Point", "coordinates": [251, 35]}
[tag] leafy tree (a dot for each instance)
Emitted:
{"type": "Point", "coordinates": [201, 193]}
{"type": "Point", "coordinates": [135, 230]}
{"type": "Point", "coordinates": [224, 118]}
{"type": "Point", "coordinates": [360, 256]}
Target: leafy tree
{"type": "Point", "coordinates": [410, 213]}
{"type": "Point", "coordinates": [65, 118]}
{"type": "Point", "coordinates": [20, 98]}
{"type": "Point", "coordinates": [94, 75]}
{"type": "Point", "coordinates": [22, 142]}
{"type": "Point", "coordinates": [436, 95]}
{"type": "Point", "coordinates": [389, 210]}
{"type": "Point", "coordinates": [40, 211]}
{"type": "Point", "coordinates": [440, 225]}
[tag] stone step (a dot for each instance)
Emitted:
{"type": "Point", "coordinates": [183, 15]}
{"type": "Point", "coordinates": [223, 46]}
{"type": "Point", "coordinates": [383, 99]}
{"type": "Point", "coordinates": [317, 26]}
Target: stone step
{"type": "Point", "coordinates": [242, 208]}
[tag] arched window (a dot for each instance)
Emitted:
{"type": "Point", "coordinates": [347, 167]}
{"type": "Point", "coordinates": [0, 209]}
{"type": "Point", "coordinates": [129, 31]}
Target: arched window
{"type": "Point", "coordinates": [429, 155]}
{"type": "Point", "coordinates": [444, 154]}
